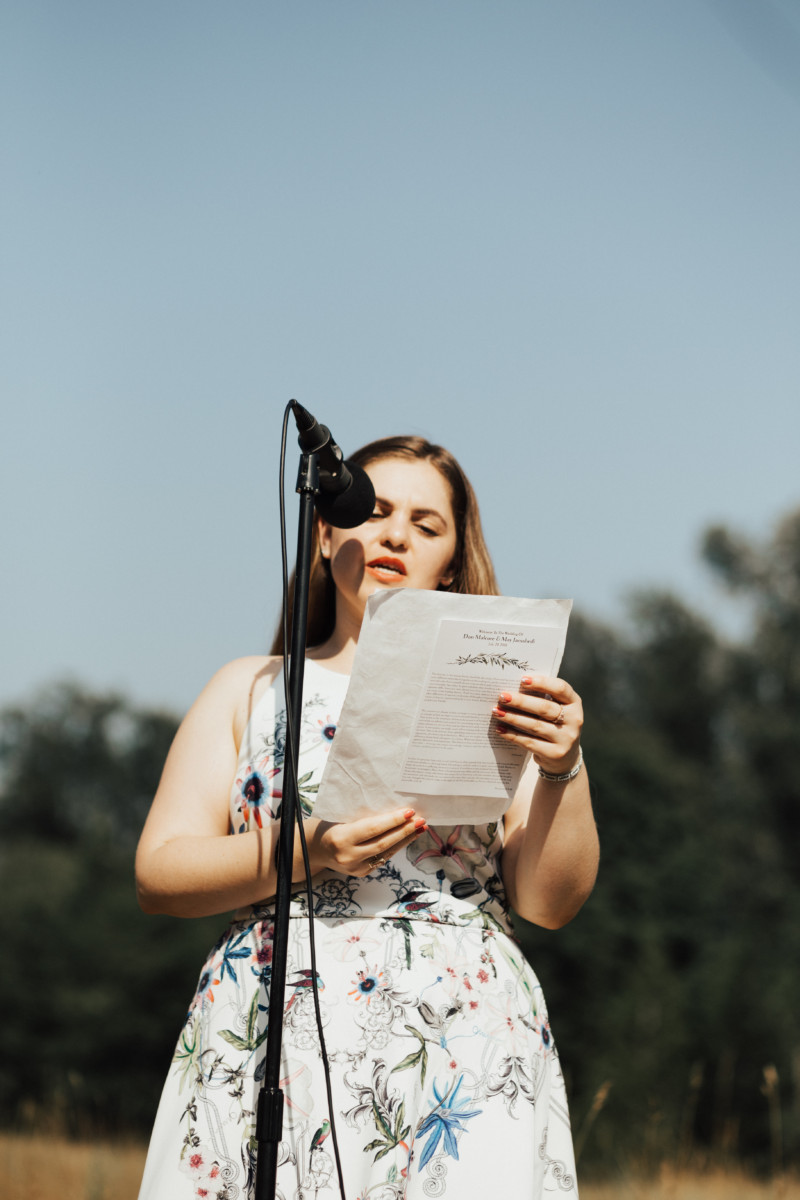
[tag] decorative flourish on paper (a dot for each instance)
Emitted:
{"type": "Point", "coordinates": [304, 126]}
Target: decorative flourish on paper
{"type": "Point", "coordinates": [490, 660]}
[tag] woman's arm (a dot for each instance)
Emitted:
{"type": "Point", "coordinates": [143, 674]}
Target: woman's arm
{"type": "Point", "coordinates": [187, 863]}
{"type": "Point", "coordinates": [551, 849]}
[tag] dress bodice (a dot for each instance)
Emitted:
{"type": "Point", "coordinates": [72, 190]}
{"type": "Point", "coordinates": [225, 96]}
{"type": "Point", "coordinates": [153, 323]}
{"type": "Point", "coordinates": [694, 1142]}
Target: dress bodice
{"type": "Point", "coordinates": [447, 874]}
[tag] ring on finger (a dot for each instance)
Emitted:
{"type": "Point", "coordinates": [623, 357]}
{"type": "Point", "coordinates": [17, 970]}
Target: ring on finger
{"type": "Point", "coordinates": [377, 861]}
{"type": "Point", "coordinates": [560, 718]}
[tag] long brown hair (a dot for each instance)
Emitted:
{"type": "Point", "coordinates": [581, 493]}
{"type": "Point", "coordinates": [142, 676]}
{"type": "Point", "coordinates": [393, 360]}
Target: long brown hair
{"type": "Point", "coordinates": [473, 572]}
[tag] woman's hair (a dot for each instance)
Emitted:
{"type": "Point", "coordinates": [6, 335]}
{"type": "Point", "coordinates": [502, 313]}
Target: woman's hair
{"type": "Point", "coordinates": [473, 572]}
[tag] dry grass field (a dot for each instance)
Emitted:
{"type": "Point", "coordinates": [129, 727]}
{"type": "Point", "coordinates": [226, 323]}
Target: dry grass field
{"type": "Point", "coordinates": [42, 1168]}
{"type": "Point", "coordinates": [39, 1168]}
{"type": "Point", "coordinates": [714, 1185]}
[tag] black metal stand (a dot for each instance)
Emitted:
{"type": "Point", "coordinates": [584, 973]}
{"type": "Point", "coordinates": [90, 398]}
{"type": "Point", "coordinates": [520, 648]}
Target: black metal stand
{"type": "Point", "coordinates": [269, 1117]}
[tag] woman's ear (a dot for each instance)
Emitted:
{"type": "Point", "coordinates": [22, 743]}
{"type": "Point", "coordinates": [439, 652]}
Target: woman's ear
{"type": "Point", "coordinates": [324, 538]}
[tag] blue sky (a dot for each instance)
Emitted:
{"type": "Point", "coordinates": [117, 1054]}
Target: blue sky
{"type": "Point", "coordinates": [560, 237]}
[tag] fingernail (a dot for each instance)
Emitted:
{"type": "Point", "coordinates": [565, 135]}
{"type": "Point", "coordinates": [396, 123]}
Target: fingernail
{"type": "Point", "coordinates": [420, 824]}
{"type": "Point", "coordinates": [499, 712]}
{"type": "Point", "coordinates": [527, 681]}
{"type": "Point", "coordinates": [506, 696]}
{"type": "Point", "coordinates": [502, 729]}
{"type": "Point", "coordinates": [408, 814]}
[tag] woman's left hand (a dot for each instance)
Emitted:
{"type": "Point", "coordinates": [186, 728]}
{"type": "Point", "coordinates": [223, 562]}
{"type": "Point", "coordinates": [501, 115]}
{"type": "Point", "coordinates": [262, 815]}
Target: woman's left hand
{"type": "Point", "coordinates": [545, 716]}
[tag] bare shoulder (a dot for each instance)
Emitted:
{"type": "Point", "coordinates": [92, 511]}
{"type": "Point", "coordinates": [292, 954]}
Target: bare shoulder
{"type": "Point", "coordinates": [239, 685]}
{"type": "Point", "coordinates": [246, 672]}
{"type": "Point", "coordinates": [231, 694]}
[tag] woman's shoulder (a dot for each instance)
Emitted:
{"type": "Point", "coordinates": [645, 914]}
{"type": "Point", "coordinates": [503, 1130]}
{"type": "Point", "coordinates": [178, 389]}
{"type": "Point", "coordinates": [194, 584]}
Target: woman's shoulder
{"type": "Point", "coordinates": [237, 688]}
{"type": "Point", "coordinates": [249, 678]}
{"type": "Point", "coordinates": [248, 674]}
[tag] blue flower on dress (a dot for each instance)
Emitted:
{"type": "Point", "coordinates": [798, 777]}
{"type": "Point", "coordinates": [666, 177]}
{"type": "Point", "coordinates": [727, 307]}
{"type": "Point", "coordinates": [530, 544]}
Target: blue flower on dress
{"type": "Point", "coordinates": [232, 952]}
{"type": "Point", "coordinates": [445, 1122]}
{"type": "Point", "coordinates": [366, 983]}
{"type": "Point", "coordinates": [255, 792]}
{"type": "Point", "coordinates": [253, 787]}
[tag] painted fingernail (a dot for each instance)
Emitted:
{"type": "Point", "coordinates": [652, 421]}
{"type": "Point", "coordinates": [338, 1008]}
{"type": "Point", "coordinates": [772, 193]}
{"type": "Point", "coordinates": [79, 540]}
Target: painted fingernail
{"type": "Point", "coordinates": [408, 814]}
{"type": "Point", "coordinates": [502, 729]}
{"type": "Point", "coordinates": [505, 697]}
{"type": "Point", "coordinates": [498, 712]}
{"type": "Point", "coordinates": [420, 824]}
{"type": "Point", "coordinates": [527, 681]}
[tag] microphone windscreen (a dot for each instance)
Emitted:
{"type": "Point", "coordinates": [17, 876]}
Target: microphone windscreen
{"type": "Point", "coordinates": [351, 507]}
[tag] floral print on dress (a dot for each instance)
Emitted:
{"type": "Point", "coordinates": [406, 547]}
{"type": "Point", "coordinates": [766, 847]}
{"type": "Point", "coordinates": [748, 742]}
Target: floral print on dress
{"type": "Point", "coordinates": [258, 791]}
{"type": "Point", "coordinates": [456, 855]}
{"type": "Point", "coordinates": [444, 1075]}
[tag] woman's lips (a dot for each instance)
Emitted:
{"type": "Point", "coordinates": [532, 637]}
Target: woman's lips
{"type": "Point", "coordinates": [386, 568]}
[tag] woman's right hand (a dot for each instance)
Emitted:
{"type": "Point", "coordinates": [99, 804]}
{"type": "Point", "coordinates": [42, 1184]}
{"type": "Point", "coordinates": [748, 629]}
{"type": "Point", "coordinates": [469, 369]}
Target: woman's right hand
{"type": "Point", "coordinates": [359, 847]}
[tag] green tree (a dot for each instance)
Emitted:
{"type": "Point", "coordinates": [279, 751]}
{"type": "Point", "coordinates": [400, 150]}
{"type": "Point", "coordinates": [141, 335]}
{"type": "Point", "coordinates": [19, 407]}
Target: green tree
{"type": "Point", "coordinates": [80, 767]}
{"type": "Point", "coordinates": [762, 745]}
{"type": "Point", "coordinates": [678, 982]}
{"type": "Point", "coordinates": [96, 990]}
{"type": "Point", "coordinates": [764, 675]}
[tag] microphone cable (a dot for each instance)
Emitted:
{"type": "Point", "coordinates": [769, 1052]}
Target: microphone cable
{"type": "Point", "coordinates": [289, 758]}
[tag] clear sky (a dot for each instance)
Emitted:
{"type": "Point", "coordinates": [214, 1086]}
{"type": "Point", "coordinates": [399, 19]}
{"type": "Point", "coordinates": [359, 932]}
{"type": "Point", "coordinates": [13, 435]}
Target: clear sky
{"type": "Point", "coordinates": [560, 236]}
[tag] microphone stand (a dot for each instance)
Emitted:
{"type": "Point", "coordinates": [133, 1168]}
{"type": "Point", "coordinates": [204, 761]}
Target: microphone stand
{"type": "Point", "coordinates": [269, 1115]}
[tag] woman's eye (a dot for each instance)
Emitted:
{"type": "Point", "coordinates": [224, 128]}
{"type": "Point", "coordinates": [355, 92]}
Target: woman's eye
{"type": "Point", "coordinates": [427, 529]}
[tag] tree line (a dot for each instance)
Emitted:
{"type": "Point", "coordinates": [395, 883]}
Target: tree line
{"type": "Point", "coordinates": [673, 995]}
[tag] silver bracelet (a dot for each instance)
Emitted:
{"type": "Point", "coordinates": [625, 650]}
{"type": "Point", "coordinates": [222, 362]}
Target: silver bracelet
{"type": "Point", "coordinates": [565, 778]}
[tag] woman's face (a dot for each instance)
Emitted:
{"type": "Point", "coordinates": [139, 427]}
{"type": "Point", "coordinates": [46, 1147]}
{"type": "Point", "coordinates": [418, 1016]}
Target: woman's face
{"type": "Point", "coordinates": [409, 541]}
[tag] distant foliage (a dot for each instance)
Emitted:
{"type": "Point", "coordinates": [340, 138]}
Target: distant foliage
{"type": "Point", "coordinates": [78, 767]}
{"type": "Point", "coordinates": [672, 991]}
{"type": "Point", "coordinates": [98, 988]}
{"type": "Point", "coordinates": [678, 984]}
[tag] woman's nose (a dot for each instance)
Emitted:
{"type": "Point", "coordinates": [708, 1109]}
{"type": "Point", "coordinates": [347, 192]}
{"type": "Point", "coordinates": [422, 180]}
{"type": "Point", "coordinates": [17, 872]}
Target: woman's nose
{"type": "Point", "coordinates": [395, 533]}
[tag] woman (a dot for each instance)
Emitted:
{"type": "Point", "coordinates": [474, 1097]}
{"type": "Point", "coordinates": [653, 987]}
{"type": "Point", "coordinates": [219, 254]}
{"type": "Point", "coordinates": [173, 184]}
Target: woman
{"type": "Point", "coordinates": [445, 1079]}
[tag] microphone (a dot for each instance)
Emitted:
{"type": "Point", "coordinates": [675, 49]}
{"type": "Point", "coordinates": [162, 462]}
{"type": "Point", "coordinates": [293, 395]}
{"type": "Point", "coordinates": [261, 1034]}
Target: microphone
{"type": "Point", "coordinates": [346, 496]}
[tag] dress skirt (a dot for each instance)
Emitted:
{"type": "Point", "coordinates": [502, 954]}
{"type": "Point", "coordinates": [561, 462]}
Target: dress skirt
{"type": "Point", "coordinates": [444, 1076]}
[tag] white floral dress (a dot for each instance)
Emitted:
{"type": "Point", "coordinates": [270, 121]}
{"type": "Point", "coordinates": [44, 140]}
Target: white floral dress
{"type": "Point", "coordinates": [445, 1078]}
